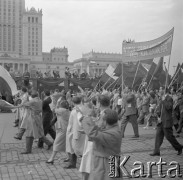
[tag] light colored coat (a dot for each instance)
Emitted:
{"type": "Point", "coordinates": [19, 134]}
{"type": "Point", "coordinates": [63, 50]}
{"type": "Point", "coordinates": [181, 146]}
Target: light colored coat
{"type": "Point", "coordinates": [34, 119]}
{"type": "Point", "coordinates": [22, 111]}
{"type": "Point", "coordinates": [107, 142]}
{"type": "Point", "coordinates": [61, 128]}
{"type": "Point", "coordinates": [74, 138]}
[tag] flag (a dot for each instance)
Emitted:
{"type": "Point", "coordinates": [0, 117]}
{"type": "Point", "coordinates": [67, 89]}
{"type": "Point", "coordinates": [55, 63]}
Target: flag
{"type": "Point", "coordinates": [108, 74]}
{"type": "Point", "coordinates": [7, 82]}
{"type": "Point", "coordinates": [166, 76]}
{"type": "Point", "coordinates": [177, 77]}
{"type": "Point", "coordinates": [109, 71]}
{"type": "Point", "coordinates": [159, 68]}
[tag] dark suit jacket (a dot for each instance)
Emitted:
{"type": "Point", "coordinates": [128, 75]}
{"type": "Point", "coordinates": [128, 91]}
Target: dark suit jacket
{"type": "Point", "coordinates": [47, 113]}
{"type": "Point", "coordinates": [164, 111]}
{"type": "Point", "coordinates": [130, 106]}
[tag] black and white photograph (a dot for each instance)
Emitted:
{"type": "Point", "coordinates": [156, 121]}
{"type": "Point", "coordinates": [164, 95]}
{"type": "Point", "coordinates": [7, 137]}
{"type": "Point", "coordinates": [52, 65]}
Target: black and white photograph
{"type": "Point", "coordinates": [91, 89]}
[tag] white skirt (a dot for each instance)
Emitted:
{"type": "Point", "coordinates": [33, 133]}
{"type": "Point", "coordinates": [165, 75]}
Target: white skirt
{"type": "Point", "coordinates": [86, 161]}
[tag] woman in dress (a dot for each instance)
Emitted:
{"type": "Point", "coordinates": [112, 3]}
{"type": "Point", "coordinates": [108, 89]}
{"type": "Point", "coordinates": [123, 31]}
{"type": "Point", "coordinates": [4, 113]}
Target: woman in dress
{"type": "Point", "coordinates": [62, 113]}
{"type": "Point", "coordinates": [88, 109]}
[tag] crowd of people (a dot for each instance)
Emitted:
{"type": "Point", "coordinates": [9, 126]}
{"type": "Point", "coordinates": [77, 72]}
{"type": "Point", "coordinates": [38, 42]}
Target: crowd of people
{"type": "Point", "coordinates": [91, 124]}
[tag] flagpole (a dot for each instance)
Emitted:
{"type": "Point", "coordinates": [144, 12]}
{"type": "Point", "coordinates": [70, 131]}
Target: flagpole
{"type": "Point", "coordinates": [169, 63]}
{"type": "Point", "coordinates": [166, 83]}
{"type": "Point", "coordinates": [112, 84]}
{"type": "Point", "coordinates": [174, 77]}
{"type": "Point", "coordinates": [97, 84]}
{"type": "Point", "coordinates": [135, 74]}
{"type": "Point", "coordinates": [122, 72]}
{"type": "Point", "coordinates": [151, 79]}
{"type": "Point", "coordinates": [106, 82]}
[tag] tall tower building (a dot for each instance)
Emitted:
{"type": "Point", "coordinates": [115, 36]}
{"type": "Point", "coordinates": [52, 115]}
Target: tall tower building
{"type": "Point", "coordinates": [32, 34]}
{"type": "Point", "coordinates": [11, 13]}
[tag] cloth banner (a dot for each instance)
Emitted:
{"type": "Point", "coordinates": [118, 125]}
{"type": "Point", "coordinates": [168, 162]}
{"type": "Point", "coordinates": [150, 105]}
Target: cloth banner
{"type": "Point", "coordinates": [7, 83]}
{"type": "Point", "coordinates": [50, 82]}
{"type": "Point", "coordinates": [84, 83]}
{"type": "Point", "coordinates": [159, 47]}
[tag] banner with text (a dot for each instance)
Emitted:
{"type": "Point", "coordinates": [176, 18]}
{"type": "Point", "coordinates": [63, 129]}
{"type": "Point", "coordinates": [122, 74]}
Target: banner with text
{"type": "Point", "coordinates": [160, 47]}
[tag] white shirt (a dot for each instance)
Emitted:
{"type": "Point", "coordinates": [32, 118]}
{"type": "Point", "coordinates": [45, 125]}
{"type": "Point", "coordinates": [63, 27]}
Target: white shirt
{"type": "Point", "coordinates": [120, 101]}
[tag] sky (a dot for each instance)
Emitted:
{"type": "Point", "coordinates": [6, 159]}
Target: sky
{"type": "Point", "coordinates": [102, 25]}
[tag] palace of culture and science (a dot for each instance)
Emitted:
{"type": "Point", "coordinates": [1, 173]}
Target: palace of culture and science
{"type": "Point", "coordinates": [21, 45]}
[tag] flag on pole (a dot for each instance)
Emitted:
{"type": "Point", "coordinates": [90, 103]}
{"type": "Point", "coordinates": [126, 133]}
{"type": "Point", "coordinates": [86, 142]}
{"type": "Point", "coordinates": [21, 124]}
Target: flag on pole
{"type": "Point", "coordinates": [178, 75]}
{"type": "Point", "coordinates": [159, 68]}
{"type": "Point", "coordinates": [109, 73]}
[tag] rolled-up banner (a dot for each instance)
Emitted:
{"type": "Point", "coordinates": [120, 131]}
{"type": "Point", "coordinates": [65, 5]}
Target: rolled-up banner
{"type": "Point", "coordinates": [7, 83]}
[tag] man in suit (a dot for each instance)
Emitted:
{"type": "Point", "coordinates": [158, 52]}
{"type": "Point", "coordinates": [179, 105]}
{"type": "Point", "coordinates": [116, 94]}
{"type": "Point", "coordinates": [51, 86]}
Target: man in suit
{"type": "Point", "coordinates": [130, 115]}
{"type": "Point", "coordinates": [165, 124]}
{"type": "Point", "coordinates": [180, 104]}
{"type": "Point", "coordinates": [47, 116]}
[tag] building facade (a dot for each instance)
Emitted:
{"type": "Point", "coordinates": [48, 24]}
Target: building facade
{"type": "Point", "coordinates": [11, 29]}
{"type": "Point", "coordinates": [21, 41]}
{"type": "Point", "coordinates": [95, 63]}
{"type": "Point", "coordinates": [55, 60]}
{"type": "Point", "coordinates": [32, 34]}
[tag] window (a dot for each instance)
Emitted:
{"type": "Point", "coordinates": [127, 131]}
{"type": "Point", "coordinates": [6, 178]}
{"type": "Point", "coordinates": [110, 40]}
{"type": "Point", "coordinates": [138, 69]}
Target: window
{"type": "Point", "coordinates": [32, 19]}
{"type": "Point", "coordinates": [29, 19]}
{"type": "Point", "coordinates": [36, 20]}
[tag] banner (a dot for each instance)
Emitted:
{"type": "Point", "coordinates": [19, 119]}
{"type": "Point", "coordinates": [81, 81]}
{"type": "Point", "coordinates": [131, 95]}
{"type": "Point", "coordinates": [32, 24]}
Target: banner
{"type": "Point", "coordinates": [160, 47]}
{"type": "Point", "coordinates": [50, 82]}
{"type": "Point", "coordinates": [84, 83]}
{"type": "Point", "coordinates": [7, 83]}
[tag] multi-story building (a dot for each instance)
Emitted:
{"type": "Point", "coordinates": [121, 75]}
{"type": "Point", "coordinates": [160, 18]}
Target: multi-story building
{"type": "Point", "coordinates": [11, 30]}
{"type": "Point", "coordinates": [21, 41]}
{"type": "Point", "coordinates": [95, 63]}
{"type": "Point", "coordinates": [32, 31]}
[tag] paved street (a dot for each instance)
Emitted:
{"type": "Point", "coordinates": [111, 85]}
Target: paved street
{"type": "Point", "coordinates": [15, 166]}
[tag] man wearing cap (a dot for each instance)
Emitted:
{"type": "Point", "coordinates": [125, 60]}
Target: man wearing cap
{"type": "Point", "coordinates": [130, 115]}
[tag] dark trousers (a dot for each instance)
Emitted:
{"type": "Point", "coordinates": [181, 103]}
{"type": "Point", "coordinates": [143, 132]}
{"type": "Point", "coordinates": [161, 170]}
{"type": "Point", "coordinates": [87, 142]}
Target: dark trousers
{"type": "Point", "coordinates": [168, 133]}
{"type": "Point", "coordinates": [47, 130]}
{"type": "Point", "coordinates": [133, 120]}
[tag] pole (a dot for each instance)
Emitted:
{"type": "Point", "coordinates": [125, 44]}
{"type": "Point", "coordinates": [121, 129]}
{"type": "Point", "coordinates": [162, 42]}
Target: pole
{"type": "Point", "coordinates": [106, 82]}
{"type": "Point", "coordinates": [135, 74]}
{"type": "Point", "coordinates": [97, 84]}
{"type": "Point", "coordinates": [169, 64]}
{"type": "Point", "coordinates": [112, 84]}
{"type": "Point", "coordinates": [122, 69]}
{"type": "Point", "coordinates": [174, 77]}
{"type": "Point", "coordinates": [151, 80]}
